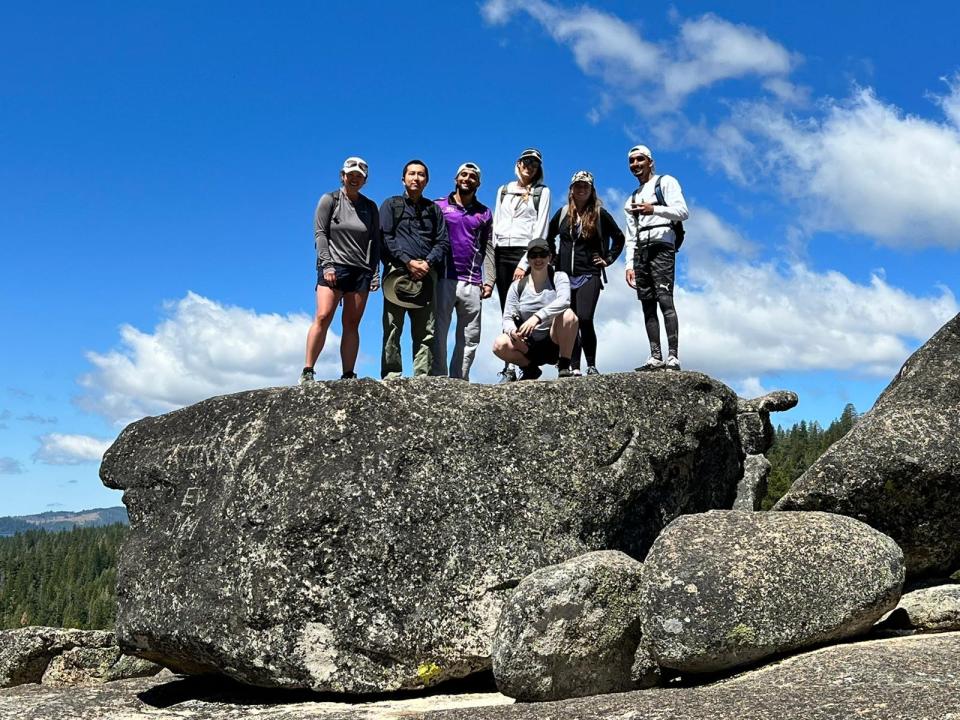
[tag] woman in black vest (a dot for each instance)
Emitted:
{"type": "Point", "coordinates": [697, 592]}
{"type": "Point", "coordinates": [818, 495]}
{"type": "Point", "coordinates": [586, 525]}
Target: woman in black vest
{"type": "Point", "coordinates": [590, 240]}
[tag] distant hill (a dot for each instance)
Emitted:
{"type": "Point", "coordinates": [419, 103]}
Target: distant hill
{"type": "Point", "coordinates": [58, 520]}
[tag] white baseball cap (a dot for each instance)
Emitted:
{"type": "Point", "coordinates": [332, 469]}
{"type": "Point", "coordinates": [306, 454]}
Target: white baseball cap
{"type": "Point", "coordinates": [355, 164]}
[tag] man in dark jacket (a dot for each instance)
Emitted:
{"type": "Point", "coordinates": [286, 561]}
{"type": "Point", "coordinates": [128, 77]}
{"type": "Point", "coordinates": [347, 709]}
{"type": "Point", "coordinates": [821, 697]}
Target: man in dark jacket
{"type": "Point", "coordinates": [415, 243]}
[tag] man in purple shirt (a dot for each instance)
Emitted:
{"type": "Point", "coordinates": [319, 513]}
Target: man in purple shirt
{"type": "Point", "coordinates": [469, 274]}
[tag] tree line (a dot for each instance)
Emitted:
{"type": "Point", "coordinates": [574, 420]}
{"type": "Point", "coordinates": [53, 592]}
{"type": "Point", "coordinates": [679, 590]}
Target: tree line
{"type": "Point", "coordinates": [68, 579]}
{"type": "Point", "coordinates": [61, 579]}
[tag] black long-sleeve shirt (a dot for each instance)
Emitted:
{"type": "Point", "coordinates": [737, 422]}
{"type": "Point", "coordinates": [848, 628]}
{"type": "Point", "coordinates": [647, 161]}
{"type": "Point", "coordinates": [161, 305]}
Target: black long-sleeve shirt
{"type": "Point", "coordinates": [575, 255]}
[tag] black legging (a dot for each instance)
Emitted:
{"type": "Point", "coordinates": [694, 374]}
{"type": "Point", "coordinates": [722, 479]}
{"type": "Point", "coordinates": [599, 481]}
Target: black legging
{"type": "Point", "coordinates": [506, 259]}
{"type": "Point", "coordinates": [653, 324]}
{"type": "Point", "coordinates": [583, 301]}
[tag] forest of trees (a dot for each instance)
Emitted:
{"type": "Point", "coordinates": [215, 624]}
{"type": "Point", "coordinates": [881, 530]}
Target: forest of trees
{"type": "Point", "coordinates": [61, 579]}
{"type": "Point", "coordinates": [794, 450]}
{"type": "Point", "coordinates": [67, 579]}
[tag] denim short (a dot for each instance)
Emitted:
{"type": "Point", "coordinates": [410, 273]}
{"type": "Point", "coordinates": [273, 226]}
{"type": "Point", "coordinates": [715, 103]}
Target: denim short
{"type": "Point", "coordinates": [349, 279]}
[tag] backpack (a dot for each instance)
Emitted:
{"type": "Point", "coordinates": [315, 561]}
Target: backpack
{"type": "Point", "coordinates": [522, 282]}
{"type": "Point", "coordinates": [537, 192]}
{"type": "Point", "coordinates": [677, 225]}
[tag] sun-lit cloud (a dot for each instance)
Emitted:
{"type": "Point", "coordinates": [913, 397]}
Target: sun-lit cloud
{"type": "Point", "coordinates": [655, 76]}
{"type": "Point", "coordinates": [64, 449]}
{"type": "Point", "coordinates": [742, 318]}
{"type": "Point", "coordinates": [200, 349]}
{"type": "Point", "coordinates": [863, 167]}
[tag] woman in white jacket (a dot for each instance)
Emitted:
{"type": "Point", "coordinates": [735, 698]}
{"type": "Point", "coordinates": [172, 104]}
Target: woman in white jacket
{"type": "Point", "coordinates": [521, 214]}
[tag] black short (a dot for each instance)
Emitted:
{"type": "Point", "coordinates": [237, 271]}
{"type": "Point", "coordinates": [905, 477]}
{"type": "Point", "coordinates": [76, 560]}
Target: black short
{"type": "Point", "coordinates": [349, 279]}
{"type": "Point", "coordinates": [543, 351]}
{"type": "Point", "coordinates": [654, 267]}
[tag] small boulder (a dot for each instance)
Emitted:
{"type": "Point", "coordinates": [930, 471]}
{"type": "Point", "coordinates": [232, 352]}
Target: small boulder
{"type": "Point", "coordinates": [898, 469]}
{"type": "Point", "coordinates": [571, 630]}
{"type": "Point", "coordinates": [776, 401]}
{"type": "Point", "coordinates": [930, 609]}
{"type": "Point", "coordinates": [727, 588]}
{"type": "Point", "coordinates": [56, 656]}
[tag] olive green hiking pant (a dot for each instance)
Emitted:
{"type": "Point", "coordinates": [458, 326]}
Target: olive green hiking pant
{"type": "Point", "coordinates": [422, 322]}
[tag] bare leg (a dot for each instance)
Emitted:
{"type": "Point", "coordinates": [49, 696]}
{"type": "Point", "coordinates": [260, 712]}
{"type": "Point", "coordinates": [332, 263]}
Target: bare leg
{"type": "Point", "coordinates": [327, 299]}
{"type": "Point", "coordinates": [353, 306]}
{"type": "Point", "coordinates": [511, 351]}
{"type": "Point", "coordinates": [563, 331]}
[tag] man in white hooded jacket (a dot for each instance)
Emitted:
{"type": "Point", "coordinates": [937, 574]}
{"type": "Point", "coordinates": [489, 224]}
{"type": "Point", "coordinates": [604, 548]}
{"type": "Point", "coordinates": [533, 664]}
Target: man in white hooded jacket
{"type": "Point", "coordinates": [651, 251]}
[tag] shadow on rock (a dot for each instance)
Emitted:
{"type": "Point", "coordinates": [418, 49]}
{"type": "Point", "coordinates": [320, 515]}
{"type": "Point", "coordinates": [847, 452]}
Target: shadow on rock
{"type": "Point", "coordinates": [223, 690]}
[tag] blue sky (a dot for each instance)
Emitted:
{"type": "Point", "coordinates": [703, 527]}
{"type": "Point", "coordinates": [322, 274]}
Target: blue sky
{"type": "Point", "coordinates": [161, 163]}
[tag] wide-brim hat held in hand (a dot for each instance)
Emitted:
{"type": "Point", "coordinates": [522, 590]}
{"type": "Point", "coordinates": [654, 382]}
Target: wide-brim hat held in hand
{"type": "Point", "coordinates": [401, 289]}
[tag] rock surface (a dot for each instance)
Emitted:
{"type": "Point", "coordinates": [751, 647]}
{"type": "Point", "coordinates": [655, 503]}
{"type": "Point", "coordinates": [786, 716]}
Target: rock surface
{"type": "Point", "coordinates": [363, 536]}
{"type": "Point", "coordinates": [898, 469]}
{"type": "Point", "coordinates": [912, 678]}
{"type": "Point", "coordinates": [756, 432]}
{"type": "Point", "coordinates": [571, 629]}
{"type": "Point", "coordinates": [753, 485]}
{"type": "Point", "coordinates": [776, 401]}
{"type": "Point", "coordinates": [55, 656]}
{"type": "Point", "coordinates": [727, 588]}
{"type": "Point", "coordinates": [931, 609]}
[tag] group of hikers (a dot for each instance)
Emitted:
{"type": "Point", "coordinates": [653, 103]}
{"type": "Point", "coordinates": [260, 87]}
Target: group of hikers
{"type": "Point", "coordinates": [447, 256]}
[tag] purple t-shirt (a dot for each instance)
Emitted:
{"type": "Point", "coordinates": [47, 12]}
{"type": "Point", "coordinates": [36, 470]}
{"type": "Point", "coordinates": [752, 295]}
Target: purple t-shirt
{"type": "Point", "coordinates": [470, 229]}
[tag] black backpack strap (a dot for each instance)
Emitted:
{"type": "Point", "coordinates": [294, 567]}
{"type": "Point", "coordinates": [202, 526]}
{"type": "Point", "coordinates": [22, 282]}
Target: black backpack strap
{"type": "Point", "coordinates": [537, 192]}
{"type": "Point", "coordinates": [658, 191]}
{"type": "Point", "coordinates": [396, 208]}
{"type": "Point", "coordinates": [522, 282]}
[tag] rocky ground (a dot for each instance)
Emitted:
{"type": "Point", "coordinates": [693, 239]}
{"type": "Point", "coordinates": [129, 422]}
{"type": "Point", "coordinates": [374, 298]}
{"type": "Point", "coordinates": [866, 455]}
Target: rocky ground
{"type": "Point", "coordinates": [909, 678]}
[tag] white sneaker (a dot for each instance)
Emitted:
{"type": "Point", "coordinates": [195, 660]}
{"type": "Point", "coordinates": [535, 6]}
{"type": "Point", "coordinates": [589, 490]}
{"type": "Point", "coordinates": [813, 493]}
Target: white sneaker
{"type": "Point", "coordinates": [306, 377]}
{"type": "Point", "coordinates": [652, 363]}
{"type": "Point", "coordinates": [673, 363]}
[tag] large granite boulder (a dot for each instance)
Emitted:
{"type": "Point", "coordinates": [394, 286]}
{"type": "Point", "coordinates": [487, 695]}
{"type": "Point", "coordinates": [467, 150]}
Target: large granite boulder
{"type": "Point", "coordinates": [727, 588]}
{"type": "Point", "coordinates": [56, 656]}
{"type": "Point", "coordinates": [571, 629]}
{"type": "Point", "coordinates": [898, 469]}
{"type": "Point", "coordinates": [363, 536]}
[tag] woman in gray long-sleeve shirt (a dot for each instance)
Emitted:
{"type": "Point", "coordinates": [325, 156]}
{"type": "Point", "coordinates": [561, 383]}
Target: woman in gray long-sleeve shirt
{"type": "Point", "coordinates": [347, 238]}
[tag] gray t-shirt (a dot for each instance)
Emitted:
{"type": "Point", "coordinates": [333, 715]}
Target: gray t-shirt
{"type": "Point", "coordinates": [347, 233]}
{"type": "Point", "coordinates": [552, 300]}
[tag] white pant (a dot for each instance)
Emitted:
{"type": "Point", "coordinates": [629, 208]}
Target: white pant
{"type": "Point", "coordinates": [465, 299]}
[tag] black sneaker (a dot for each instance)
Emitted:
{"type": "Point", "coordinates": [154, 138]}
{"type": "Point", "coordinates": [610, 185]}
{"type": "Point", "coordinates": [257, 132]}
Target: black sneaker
{"type": "Point", "coordinates": [306, 377]}
{"type": "Point", "coordinates": [349, 376]}
{"type": "Point", "coordinates": [592, 370]}
{"type": "Point", "coordinates": [565, 372]}
{"type": "Point", "coordinates": [530, 372]}
{"type": "Point", "coordinates": [507, 375]}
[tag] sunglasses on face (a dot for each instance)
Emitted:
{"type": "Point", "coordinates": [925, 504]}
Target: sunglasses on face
{"type": "Point", "coordinates": [538, 254]}
{"type": "Point", "coordinates": [530, 162]}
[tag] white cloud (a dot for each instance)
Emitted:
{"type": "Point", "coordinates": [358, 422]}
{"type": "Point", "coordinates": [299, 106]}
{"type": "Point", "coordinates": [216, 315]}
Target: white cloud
{"type": "Point", "coordinates": [61, 449]}
{"type": "Point", "coordinates": [657, 76]}
{"type": "Point", "coordinates": [863, 167]}
{"type": "Point", "coordinates": [202, 348]}
{"type": "Point", "coordinates": [10, 466]}
{"type": "Point", "coordinates": [741, 319]}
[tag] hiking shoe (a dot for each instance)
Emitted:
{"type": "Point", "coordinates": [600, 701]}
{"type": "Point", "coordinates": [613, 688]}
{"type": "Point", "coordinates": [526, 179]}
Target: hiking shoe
{"type": "Point", "coordinates": [530, 372]}
{"type": "Point", "coordinates": [592, 370]}
{"type": "Point", "coordinates": [673, 363]}
{"type": "Point", "coordinates": [576, 372]}
{"type": "Point", "coordinates": [507, 375]}
{"type": "Point", "coordinates": [652, 363]}
{"type": "Point", "coordinates": [349, 376]}
{"type": "Point", "coordinates": [565, 372]}
{"type": "Point", "coordinates": [306, 377]}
